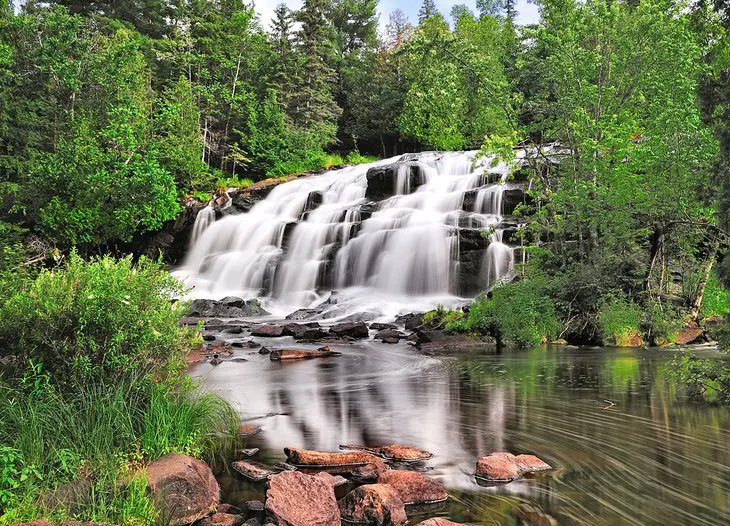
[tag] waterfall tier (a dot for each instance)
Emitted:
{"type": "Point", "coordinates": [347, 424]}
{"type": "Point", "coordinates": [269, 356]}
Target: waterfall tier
{"type": "Point", "coordinates": [402, 234]}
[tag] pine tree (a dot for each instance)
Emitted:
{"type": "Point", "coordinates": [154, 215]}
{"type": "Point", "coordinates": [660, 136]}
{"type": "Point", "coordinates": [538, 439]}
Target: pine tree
{"type": "Point", "coordinates": [285, 67]}
{"type": "Point", "coordinates": [491, 7]}
{"type": "Point", "coordinates": [315, 107]}
{"type": "Point", "coordinates": [510, 10]}
{"type": "Point", "coordinates": [428, 10]}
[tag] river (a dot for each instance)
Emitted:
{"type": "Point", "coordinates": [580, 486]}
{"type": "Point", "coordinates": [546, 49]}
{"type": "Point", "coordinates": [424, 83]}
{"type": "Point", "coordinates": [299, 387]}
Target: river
{"type": "Point", "coordinates": [626, 447]}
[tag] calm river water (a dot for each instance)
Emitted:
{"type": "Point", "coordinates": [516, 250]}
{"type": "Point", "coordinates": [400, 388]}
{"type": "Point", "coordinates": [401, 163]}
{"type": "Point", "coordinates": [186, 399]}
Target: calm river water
{"type": "Point", "coordinates": [627, 448]}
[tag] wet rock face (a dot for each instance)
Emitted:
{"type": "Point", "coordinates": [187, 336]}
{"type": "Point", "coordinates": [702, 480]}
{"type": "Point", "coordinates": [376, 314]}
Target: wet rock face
{"type": "Point", "coordinates": [503, 467]}
{"type": "Point", "coordinates": [413, 487]}
{"type": "Point", "coordinates": [373, 504]}
{"type": "Point", "coordinates": [183, 488]}
{"type": "Point", "coordinates": [296, 499]}
{"type": "Point", "coordinates": [410, 321]}
{"type": "Point", "coordinates": [355, 330]}
{"type": "Point", "coordinates": [382, 180]}
{"type": "Point", "coordinates": [231, 307]}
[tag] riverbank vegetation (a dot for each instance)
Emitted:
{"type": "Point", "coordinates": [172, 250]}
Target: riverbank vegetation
{"type": "Point", "coordinates": [92, 390]}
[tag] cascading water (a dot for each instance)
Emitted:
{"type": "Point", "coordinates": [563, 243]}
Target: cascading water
{"type": "Point", "coordinates": [398, 235]}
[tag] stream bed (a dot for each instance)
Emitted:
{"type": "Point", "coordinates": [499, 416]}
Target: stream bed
{"type": "Point", "coordinates": [626, 447]}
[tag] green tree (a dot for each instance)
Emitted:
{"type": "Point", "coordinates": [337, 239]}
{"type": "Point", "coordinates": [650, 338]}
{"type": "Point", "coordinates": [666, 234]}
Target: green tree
{"type": "Point", "coordinates": [428, 10]}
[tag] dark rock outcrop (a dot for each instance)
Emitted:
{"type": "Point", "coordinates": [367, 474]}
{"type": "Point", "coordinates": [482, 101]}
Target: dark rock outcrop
{"type": "Point", "coordinates": [382, 180]}
{"type": "Point", "coordinates": [267, 331]}
{"type": "Point", "coordinates": [356, 330]}
{"type": "Point", "coordinates": [228, 308]}
{"type": "Point", "coordinates": [183, 488]}
{"type": "Point", "coordinates": [297, 499]}
{"type": "Point", "coordinates": [410, 321]}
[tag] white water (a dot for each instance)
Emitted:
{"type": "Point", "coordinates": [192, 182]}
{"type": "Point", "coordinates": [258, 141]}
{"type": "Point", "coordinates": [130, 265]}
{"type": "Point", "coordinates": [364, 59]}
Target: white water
{"type": "Point", "coordinates": [404, 257]}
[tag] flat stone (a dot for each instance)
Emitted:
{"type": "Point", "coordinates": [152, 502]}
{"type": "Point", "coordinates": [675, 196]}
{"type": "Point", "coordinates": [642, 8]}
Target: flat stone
{"type": "Point", "coordinates": [251, 471]}
{"type": "Point", "coordinates": [183, 488]}
{"type": "Point", "coordinates": [504, 467]}
{"type": "Point", "coordinates": [355, 330]}
{"type": "Point", "coordinates": [297, 499]}
{"type": "Point", "coordinates": [311, 458]}
{"type": "Point", "coordinates": [438, 521]}
{"type": "Point", "coordinates": [267, 331]}
{"type": "Point", "coordinates": [377, 326]}
{"type": "Point", "coordinates": [230, 509]}
{"type": "Point", "coordinates": [414, 487]}
{"type": "Point", "coordinates": [248, 430]}
{"type": "Point", "coordinates": [299, 354]}
{"type": "Point", "coordinates": [373, 504]}
{"type": "Point", "coordinates": [250, 452]}
{"type": "Point", "coordinates": [394, 452]}
{"type": "Point", "coordinates": [335, 480]}
{"type": "Point", "coordinates": [254, 506]}
{"type": "Point", "coordinates": [368, 472]}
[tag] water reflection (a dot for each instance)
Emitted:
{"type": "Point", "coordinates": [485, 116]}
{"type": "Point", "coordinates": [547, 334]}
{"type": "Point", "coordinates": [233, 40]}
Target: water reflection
{"type": "Point", "coordinates": [627, 449]}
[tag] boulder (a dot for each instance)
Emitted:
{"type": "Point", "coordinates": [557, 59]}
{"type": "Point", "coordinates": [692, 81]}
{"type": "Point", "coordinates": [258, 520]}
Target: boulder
{"type": "Point", "coordinates": [324, 459]}
{"type": "Point", "coordinates": [376, 326]}
{"type": "Point", "coordinates": [183, 488]}
{"type": "Point", "coordinates": [297, 499]}
{"type": "Point", "coordinates": [413, 487]}
{"type": "Point", "coordinates": [439, 341]}
{"type": "Point", "coordinates": [267, 331]}
{"type": "Point", "coordinates": [222, 519]}
{"type": "Point", "coordinates": [410, 321]}
{"type": "Point", "coordinates": [230, 509]}
{"type": "Point", "coordinates": [251, 471]}
{"type": "Point", "coordinates": [335, 480]}
{"type": "Point", "coordinates": [394, 452]}
{"type": "Point", "coordinates": [299, 354]}
{"type": "Point", "coordinates": [373, 504]}
{"type": "Point", "coordinates": [248, 430]}
{"type": "Point", "coordinates": [355, 330]}
{"type": "Point", "coordinates": [390, 336]}
{"type": "Point", "coordinates": [689, 335]}
{"type": "Point", "coordinates": [502, 467]}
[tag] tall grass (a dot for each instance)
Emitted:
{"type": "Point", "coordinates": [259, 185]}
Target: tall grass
{"type": "Point", "coordinates": [104, 432]}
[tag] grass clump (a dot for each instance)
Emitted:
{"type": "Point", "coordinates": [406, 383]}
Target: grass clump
{"type": "Point", "coordinates": [620, 322]}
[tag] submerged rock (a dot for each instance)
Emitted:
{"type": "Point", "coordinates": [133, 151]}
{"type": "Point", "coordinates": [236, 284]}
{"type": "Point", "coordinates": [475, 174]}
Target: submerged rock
{"type": "Point", "coordinates": [503, 467]}
{"type": "Point", "coordinates": [298, 354]}
{"type": "Point", "coordinates": [183, 488]}
{"type": "Point", "coordinates": [395, 452]}
{"type": "Point", "coordinates": [390, 336]}
{"type": "Point", "coordinates": [325, 459]}
{"type": "Point", "coordinates": [438, 521]}
{"type": "Point", "coordinates": [251, 471]}
{"type": "Point", "coordinates": [382, 326]}
{"type": "Point", "coordinates": [373, 504]}
{"type": "Point", "coordinates": [296, 499]}
{"type": "Point", "coordinates": [413, 487]}
{"type": "Point", "coordinates": [368, 472]}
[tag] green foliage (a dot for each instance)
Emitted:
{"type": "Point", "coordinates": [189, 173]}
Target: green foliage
{"type": "Point", "coordinates": [704, 379]}
{"type": "Point", "coordinates": [98, 319]}
{"type": "Point", "coordinates": [521, 313]}
{"type": "Point", "coordinates": [716, 299]}
{"type": "Point", "coordinates": [441, 317]}
{"type": "Point", "coordinates": [619, 320]}
{"type": "Point", "coordinates": [106, 428]}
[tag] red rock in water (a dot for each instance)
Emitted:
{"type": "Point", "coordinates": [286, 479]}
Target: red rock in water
{"type": "Point", "coordinates": [267, 331]}
{"type": "Point", "coordinates": [298, 354]}
{"type": "Point", "coordinates": [506, 467]}
{"type": "Point", "coordinates": [335, 480]}
{"type": "Point", "coordinates": [248, 430]}
{"type": "Point", "coordinates": [373, 504]}
{"type": "Point", "coordinates": [368, 472]}
{"type": "Point", "coordinates": [310, 458]}
{"type": "Point", "coordinates": [530, 463]}
{"type": "Point", "coordinates": [413, 487]}
{"type": "Point", "coordinates": [222, 519]}
{"type": "Point", "coordinates": [438, 521]}
{"type": "Point", "coordinates": [251, 471]}
{"type": "Point", "coordinates": [296, 499]}
{"type": "Point", "coordinates": [689, 335]}
{"type": "Point", "coordinates": [183, 487]}
{"type": "Point", "coordinates": [395, 452]}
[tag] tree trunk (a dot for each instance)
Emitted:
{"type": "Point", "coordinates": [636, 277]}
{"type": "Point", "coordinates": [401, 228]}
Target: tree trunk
{"type": "Point", "coordinates": [704, 277]}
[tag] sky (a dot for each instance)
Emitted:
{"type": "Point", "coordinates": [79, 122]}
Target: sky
{"type": "Point", "coordinates": [527, 13]}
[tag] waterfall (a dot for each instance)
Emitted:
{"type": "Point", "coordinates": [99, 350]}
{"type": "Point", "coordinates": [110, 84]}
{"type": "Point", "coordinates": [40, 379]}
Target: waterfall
{"type": "Point", "coordinates": [401, 234]}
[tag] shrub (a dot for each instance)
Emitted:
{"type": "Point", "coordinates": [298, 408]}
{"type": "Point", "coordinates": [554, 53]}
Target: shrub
{"type": "Point", "coordinates": [620, 321]}
{"type": "Point", "coordinates": [521, 313]}
{"type": "Point", "coordinates": [98, 319]}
